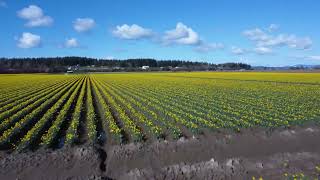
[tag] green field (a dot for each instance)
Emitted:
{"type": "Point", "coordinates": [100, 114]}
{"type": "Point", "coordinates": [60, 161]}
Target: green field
{"type": "Point", "coordinates": [43, 110]}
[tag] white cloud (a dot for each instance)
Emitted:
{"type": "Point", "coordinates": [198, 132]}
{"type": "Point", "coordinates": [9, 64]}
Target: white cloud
{"type": "Point", "coordinates": [287, 40]}
{"type": "Point", "coordinates": [29, 40]}
{"type": "Point", "coordinates": [238, 51]}
{"type": "Point", "coordinates": [71, 43]}
{"type": "Point", "coordinates": [44, 21]}
{"type": "Point", "coordinates": [273, 27]}
{"type": "Point", "coordinates": [299, 43]}
{"type": "Point", "coordinates": [309, 57]}
{"type": "Point", "coordinates": [184, 35]}
{"type": "Point", "coordinates": [209, 47]}
{"type": "Point", "coordinates": [181, 35]}
{"type": "Point", "coordinates": [131, 32]}
{"type": "Point", "coordinates": [317, 58]}
{"type": "Point", "coordinates": [263, 50]}
{"type": "Point", "coordinates": [35, 16]}
{"type": "Point", "coordinates": [83, 24]}
{"type": "Point", "coordinates": [262, 39]}
{"type": "Point", "coordinates": [30, 12]}
{"type": "Point", "coordinates": [256, 35]}
{"type": "Point", "coordinates": [109, 58]}
{"type": "Point", "coordinates": [3, 4]}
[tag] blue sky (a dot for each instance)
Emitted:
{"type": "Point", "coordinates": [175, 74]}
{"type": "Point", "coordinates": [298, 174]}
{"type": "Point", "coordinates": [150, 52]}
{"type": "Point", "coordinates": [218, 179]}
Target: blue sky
{"type": "Point", "coordinates": [264, 32]}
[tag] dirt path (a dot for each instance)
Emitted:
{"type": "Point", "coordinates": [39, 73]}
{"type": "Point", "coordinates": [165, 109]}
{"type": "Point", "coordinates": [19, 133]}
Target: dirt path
{"type": "Point", "coordinates": [215, 155]}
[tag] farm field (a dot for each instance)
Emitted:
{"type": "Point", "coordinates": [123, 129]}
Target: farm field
{"type": "Point", "coordinates": [46, 111]}
{"type": "Point", "coordinates": [56, 110]}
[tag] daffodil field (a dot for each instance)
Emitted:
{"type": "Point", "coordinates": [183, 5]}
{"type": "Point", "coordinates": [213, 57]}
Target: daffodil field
{"type": "Point", "coordinates": [43, 110]}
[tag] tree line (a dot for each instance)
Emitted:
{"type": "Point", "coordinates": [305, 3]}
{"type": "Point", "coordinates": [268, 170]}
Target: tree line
{"type": "Point", "coordinates": [61, 64]}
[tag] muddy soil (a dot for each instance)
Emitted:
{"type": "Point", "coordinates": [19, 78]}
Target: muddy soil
{"type": "Point", "coordinates": [212, 155]}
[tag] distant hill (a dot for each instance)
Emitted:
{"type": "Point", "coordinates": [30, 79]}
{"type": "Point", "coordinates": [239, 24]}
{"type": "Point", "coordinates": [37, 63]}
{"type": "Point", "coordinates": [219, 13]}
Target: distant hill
{"type": "Point", "coordinates": [279, 68]}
